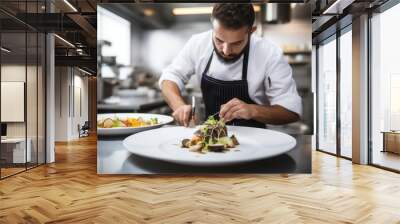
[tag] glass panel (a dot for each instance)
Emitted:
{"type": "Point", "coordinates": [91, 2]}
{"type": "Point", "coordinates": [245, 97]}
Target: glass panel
{"type": "Point", "coordinates": [23, 88]}
{"type": "Point", "coordinates": [14, 153]}
{"type": "Point", "coordinates": [385, 84]}
{"type": "Point", "coordinates": [13, 86]}
{"type": "Point", "coordinates": [327, 97]}
{"type": "Point", "coordinates": [346, 94]}
{"type": "Point", "coordinates": [31, 97]}
{"type": "Point", "coordinates": [32, 88]}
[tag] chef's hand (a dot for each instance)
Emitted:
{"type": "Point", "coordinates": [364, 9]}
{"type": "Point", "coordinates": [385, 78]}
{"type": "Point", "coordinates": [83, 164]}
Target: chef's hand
{"type": "Point", "coordinates": [236, 109]}
{"type": "Point", "coordinates": [182, 114]}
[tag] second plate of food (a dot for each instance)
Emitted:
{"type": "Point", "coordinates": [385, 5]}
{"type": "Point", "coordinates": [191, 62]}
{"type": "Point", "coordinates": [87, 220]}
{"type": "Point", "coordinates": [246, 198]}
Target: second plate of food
{"type": "Point", "coordinates": [129, 123]}
{"type": "Point", "coordinates": [167, 144]}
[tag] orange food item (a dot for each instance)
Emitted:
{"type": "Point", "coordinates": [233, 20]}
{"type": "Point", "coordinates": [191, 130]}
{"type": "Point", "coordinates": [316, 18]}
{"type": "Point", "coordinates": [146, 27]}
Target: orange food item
{"type": "Point", "coordinates": [133, 122]}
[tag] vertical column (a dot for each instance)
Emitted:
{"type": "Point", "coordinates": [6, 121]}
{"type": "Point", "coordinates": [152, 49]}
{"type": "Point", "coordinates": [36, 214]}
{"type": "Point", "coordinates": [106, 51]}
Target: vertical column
{"type": "Point", "coordinates": [360, 90]}
{"type": "Point", "coordinates": [92, 103]}
{"type": "Point", "coordinates": [338, 91]}
{"type": "Point", "coordinates": [50, 92]}
{"type": "Point", "coordinates": [314, 90]}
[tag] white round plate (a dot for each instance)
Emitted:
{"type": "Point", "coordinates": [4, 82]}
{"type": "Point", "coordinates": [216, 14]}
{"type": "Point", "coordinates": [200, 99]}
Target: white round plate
{"type": "Point", "coordinates": [162, 120]}
{"type": "Point", "coordinates": [165, 144]}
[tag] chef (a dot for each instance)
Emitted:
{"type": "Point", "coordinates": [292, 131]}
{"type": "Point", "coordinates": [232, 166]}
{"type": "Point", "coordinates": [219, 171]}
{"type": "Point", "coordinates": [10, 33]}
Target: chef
{"type": "Point", "coordinates": [244, 79]}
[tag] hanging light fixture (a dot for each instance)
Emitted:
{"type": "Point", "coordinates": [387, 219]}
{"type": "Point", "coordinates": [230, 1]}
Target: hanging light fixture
{"type": "Point", "coordinates": [5, 50]}
{"type": "Point", "coordinates": [64, 40]}
{"type": "Point", "coordinates": [70, 5]}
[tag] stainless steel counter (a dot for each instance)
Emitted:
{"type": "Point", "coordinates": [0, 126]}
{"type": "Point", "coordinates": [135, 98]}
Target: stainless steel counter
{"type": "Point", "coordinates": [113, 158]}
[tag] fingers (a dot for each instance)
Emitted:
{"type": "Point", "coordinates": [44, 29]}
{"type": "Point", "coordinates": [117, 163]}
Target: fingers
{"type": "Point", "coordinates": [226, 107]}
{"type": "Point", "coordinates": [182, 115]}
{"type": "Point", "coordinates": [177, 116]}
{"type": "Point", "coordinates": [239, 114]}
{"type": "Point", "coordinates": [186, 115]}
{"type": "Point", "coordinates": [232, 113]}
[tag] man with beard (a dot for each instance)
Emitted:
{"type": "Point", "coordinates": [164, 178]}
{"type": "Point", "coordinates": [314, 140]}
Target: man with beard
{"type": "Point", "coordinates": [244, 79]}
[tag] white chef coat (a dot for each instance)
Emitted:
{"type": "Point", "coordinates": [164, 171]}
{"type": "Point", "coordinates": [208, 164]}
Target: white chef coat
{"type": "Point", "coordinates": [266, 62]}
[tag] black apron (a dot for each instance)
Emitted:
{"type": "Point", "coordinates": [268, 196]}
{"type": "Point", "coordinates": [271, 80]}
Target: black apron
{"type": "Point", "coordinates": [217, 92]}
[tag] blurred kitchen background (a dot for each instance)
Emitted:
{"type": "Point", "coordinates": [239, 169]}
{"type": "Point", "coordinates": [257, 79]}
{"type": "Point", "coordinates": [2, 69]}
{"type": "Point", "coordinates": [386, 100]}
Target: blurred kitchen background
{"type": "Point", "coordinates": [136, 41]}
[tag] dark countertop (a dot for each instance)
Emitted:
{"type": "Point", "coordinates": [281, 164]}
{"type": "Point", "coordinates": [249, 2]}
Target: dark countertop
{"type": "Point", "coordinates": [113, 158]}
{"type": "Point", "coordinates": [132, 104]}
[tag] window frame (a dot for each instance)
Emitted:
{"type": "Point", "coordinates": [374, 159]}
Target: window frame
{"type": "Point", "coordinates": [378, 10]}
{"type": "Point", "coordinates": [334, 37]}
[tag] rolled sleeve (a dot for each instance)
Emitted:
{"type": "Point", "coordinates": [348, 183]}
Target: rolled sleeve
{"type": "Point", "coordinates": [174, 78]}
{"type": "Point", "coordinates": [181, 68]}
{"type": "Point", "coordinates": [281, 87]}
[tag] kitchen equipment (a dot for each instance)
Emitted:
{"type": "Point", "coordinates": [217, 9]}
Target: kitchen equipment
{"type": "Point", "coordinates": [165, 144]}
{"type": "Point", "coordinates": [192, 113]}
{"type": "Point", "coordinates": [275, 13]}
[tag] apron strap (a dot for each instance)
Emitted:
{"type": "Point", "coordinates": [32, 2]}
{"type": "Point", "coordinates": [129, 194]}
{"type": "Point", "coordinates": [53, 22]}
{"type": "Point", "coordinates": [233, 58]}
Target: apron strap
{"type": "Point", "coordinates": [208, 63]}
{"type": "Point", "coordinates": [245, 60]}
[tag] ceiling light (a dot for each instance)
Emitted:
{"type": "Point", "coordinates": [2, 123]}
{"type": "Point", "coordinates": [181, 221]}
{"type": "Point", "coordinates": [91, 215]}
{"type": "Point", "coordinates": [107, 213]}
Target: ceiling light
{"type": "Point", "coordinates": [199, 10]}
{"type": "Point", "coordinates": [70, 5]}
{"type": "Point", "coordinates": [148, 12]}
{"type": "Point", "coordinates": [84, 71]}
{"type": "Point", "coordinates": [65, 41]}
{"type": "Point", "coordinates": [5, 50]}
{"type": "Point", "coordinates": [192, 10]}
{"type": "Point", "coordinates": [337, 7]}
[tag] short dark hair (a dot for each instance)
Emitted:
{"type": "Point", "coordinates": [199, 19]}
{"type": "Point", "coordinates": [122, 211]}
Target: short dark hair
{"type": "Point", "coordinates": [234, 15]}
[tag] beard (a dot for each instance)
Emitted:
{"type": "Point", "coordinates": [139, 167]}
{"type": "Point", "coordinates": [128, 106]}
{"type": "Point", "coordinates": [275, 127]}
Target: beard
{"type": "Point", "coordinates": [231, 58]}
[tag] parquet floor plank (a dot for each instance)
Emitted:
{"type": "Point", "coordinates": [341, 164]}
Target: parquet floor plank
{"type": "Point", "coordinates": [70, 191]}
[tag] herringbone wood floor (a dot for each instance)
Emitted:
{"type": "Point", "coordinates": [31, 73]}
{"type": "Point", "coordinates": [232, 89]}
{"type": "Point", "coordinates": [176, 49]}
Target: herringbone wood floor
{"type": "Point", "coordinates": [70, 191]}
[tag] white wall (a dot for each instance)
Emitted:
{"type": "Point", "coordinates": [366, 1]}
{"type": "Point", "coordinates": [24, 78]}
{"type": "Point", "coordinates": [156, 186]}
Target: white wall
{"type": "Point", "coordinates": [61, 103]}
{"type": "Point", "coordinates": [157, 54]}
{"type": "Point", "coordinates": [113, 28]}
{"type": "Point", "coordinates": [17, 73]}
{"type": "Point", "coordinates": [70, 83]}
{"type": "Point", "coordinates": [136, 45]}
{"type": "Point", "coordinates": [80, 103]}
{"type": "Point", "coordinates": [33, 126]}
{"type": "Point", "coordinates": [14, 73]}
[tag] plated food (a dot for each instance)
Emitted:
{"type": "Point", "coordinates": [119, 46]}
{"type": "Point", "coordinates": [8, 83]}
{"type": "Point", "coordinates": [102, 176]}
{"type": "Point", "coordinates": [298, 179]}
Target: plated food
{"type": "Point", "coordinates": [129, 123]}
{"type": "Point", "coordinates": [212, 136]}
{"type": "Point", "coordinates": [117, 122]}
{"type": "Point", "coordinates": [165, 144]}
